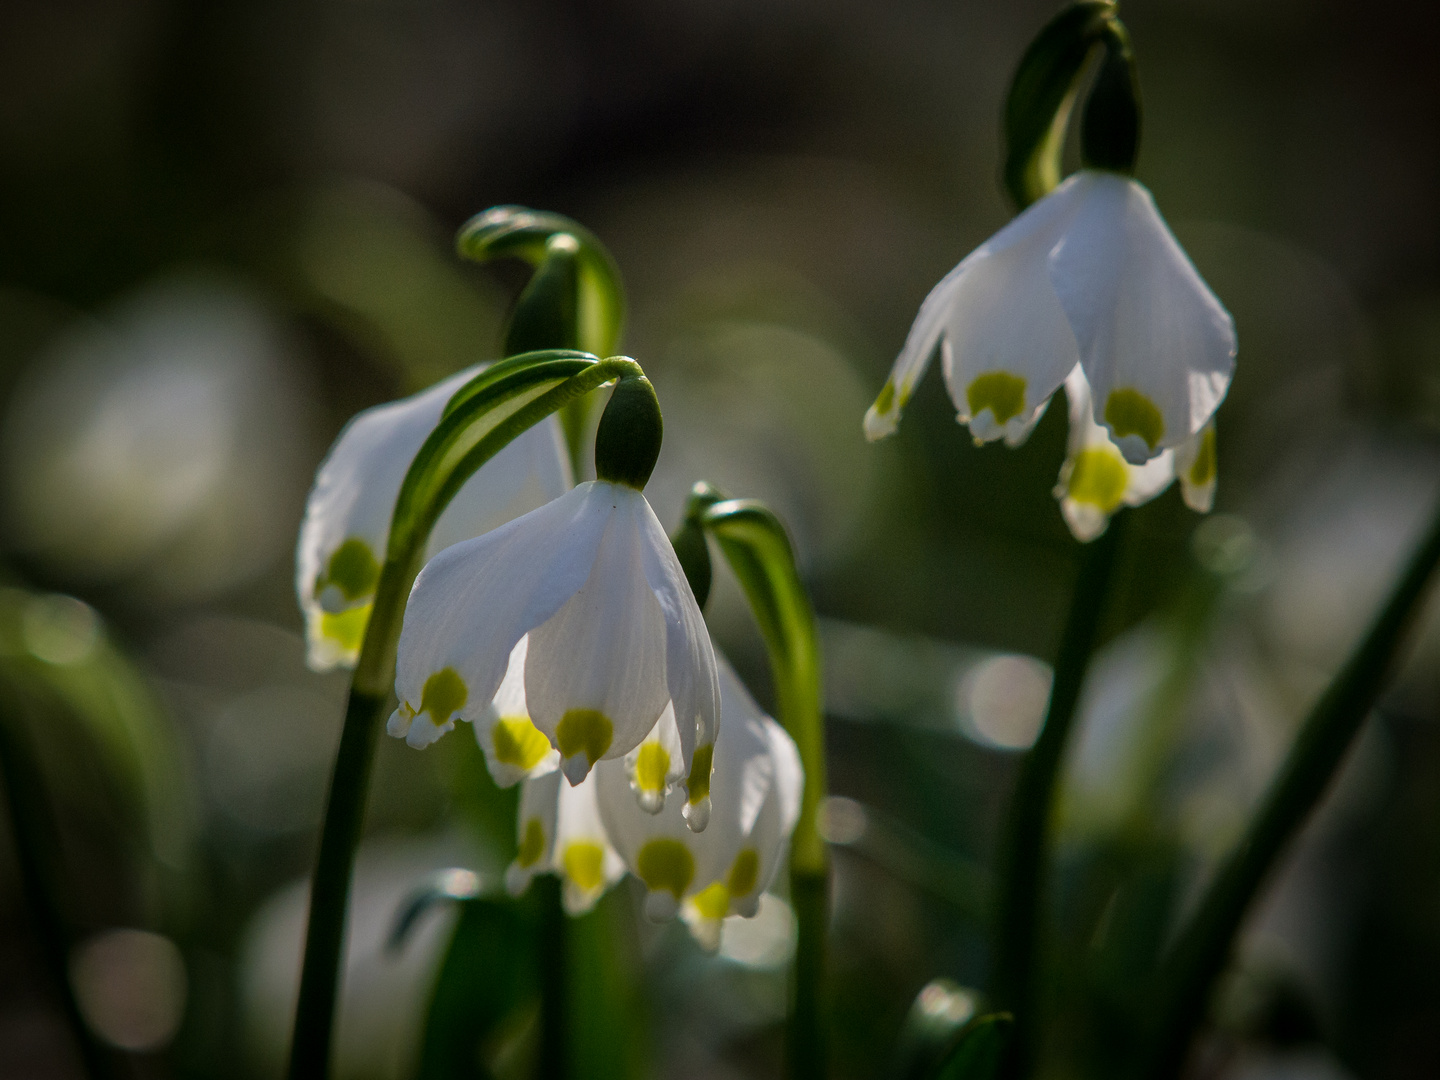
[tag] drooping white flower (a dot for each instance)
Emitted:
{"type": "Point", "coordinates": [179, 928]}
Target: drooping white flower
{"type": "Point", "coordinates": [1090, 274]}
{"type": "Point", "coordinates": [755, 802]}
{"type": "Point", "coordinates": [347, 516]}
{"type": "Point", "coordinates": [559, 830]}
{"type": "Point", "coordinates": [1096, 480]}
{"type": "Point", "coordinates": [514, 748]}
{"type": "Point", "coordinates": [614, 636]}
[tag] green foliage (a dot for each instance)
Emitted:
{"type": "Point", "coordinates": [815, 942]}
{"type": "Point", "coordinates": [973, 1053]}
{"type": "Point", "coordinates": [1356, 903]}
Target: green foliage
{"type": "Point", "coordinates": [483, 1012]}
{"type": "Point", "coordinates": [518, 232]}
{"type": "Point", "coordinates": [57, 661]}
{"type": "Point", "coordinates": [979, 1052]}
{"type": "Point", "coordinates": [1042, 96]}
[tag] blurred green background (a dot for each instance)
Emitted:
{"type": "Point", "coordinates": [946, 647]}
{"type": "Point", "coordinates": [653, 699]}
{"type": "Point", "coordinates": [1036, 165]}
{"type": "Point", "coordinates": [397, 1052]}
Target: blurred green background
{"type": "Point", "coordinates": [225, 227]}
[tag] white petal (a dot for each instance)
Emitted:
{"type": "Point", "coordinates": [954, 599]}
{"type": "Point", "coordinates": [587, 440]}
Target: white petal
{"type": "Point", "coordinates": [583, 856]}
{"type": "Point", "coordinates": [535, 828]}
{"type": "Point", "coordinates": [1096, 480]}
{"type": "Point", "coordinates": [690, 673]}
{"type": "Point", "coordinates": [997, 320]}
{"type": "Point", "coordinates": [472, 603]}
{"type": "Point", "coordinates": [514, 748]}
{"type": "Point", "coordinates": [528, 473]}
{"type": "Point", "coordinates": [755, 802]}
{"type": "Point", "coordinates": [883, 417]}
{"type": "Point", "coordinates": [1197, 467]}
{"type": "Point", "coordinates": [354, 496]}
{"type": "Point", "coordinates": [595, 678]}
{"type": "Point", "coordinates": [1157, 346]}
{"type": "Point", "coordinates": [1007, 345]}
{"type": "Point", "coordinates": [657, 764]}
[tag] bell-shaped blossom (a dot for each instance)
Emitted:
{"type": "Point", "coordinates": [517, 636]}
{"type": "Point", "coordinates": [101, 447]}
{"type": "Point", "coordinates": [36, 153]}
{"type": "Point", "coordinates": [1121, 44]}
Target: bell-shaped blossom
{"type": "Point", "coordinates": [515, 749]}
{"type": "Point", "coordinates": [1096, 480]}
{"type": "Point", "coordinates": [559, 830]}
{"type": "Point", "coordinates": [614, 636]}
{"type": "Point", "coordinates": [755, 803]}
{"type": "Point", "coordinates": [347, 517]}
{"type": "Point", "coordinates": [1090, 274]}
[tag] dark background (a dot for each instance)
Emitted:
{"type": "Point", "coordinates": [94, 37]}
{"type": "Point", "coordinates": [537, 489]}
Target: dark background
{"type": "Point", "coordinates": [225, 227]}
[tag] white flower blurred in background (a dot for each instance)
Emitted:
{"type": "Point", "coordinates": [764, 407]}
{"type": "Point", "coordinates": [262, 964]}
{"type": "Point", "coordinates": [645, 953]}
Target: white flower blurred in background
{"type": "Point", "coordinates": [159, 448]}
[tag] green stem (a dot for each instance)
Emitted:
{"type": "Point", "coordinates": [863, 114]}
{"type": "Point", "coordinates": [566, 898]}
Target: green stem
{"type": "Point", "coordinates": [439, 470]}
{"type": "Point", "coordinates": [554, 945]}
{"type": "Point", "coordinates": [1204, 948]}
{"type": "Point", "coordinates": [34, 833]}
{"type": "Point", "coordinates": [755, 543]}
{"type": "Point", "coordinates": [329, 893]}
{"type": "Point", "coordinates": [1026, 842]}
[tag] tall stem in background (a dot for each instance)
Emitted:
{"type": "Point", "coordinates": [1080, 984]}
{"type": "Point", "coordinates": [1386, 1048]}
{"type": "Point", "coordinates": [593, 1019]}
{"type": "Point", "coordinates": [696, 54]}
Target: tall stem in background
{"type": "Point", "coordinates": [1026, 844]}
{"type": "Point", "coordinates": [1205, 946]}
{"type": "Point", "coordinates": [755, 544]}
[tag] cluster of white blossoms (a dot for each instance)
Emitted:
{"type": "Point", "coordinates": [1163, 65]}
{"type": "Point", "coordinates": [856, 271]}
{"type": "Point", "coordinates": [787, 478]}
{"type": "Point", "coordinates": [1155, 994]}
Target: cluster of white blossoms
{"type": "Point", "coordinates": [569, 639]}
{"type": "Point", "coordinates": [591, 832]}
{"type": "Point", "coordinates": [1086, 288]}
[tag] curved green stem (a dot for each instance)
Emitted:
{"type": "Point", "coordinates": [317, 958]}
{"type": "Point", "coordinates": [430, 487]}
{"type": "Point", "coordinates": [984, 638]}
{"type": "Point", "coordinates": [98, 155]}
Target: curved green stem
{"type": "Point", "coordinates": [1026, 841]}
{"type": "Point", "coordinates": [574, 300]}
{"type": "Point", "coordinates": [755, 544]}
{"type": "Point", "coordinates": [1042, 96]}
{"type": "Point", "coordinates": [484, 416]}
{"type": "Point", "coordinates": [1204, 948]}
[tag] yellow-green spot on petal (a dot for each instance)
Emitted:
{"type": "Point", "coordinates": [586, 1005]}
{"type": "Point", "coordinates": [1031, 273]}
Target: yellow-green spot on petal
{"type": "Point", "coordinates": [1000, 392]}
{"type": "Point", "coordinates": [666, 864]}
{"type": "Point", "coordinates": [518, 742]}
{"type": "Point", "coordinates": [443, 696]}
{"type": "Point", "coordinates": [353, 569]}
{"type": "Point", "coordinates": [651, 767]}
{"type": "Point", "coordinates": [886, 401]}
{"type": "Point", "coordinates": [532, 844]}
{"type": "Point", "coordinates": [586, 731]}
{"type": "Point", "coordinates": [346, 628]}
{"type": "Point", "coordinates": [1098, 476]}
{"type": "Point", "coordinates": [744, 873]}
{"type": "Point", "coordinates": [584, 862]}
{"type": "Point", "coordinates": [1202, 469]}
{"type": "Point", "coordinates": [713, 901]}
{"type": "Point", "coordinates": [1129, 412]}
{"type": "Point", "coordinates": [698, 783]}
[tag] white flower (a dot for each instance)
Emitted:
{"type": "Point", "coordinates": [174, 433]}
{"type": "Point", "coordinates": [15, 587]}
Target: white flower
{"type": "Point", "coordinates": [1096, 480]}
{"type": "Point", "coordinates": [755, 802]}
{"type": "Point", "coordinates": [347, 517]}
{"type": "Point", "coordinates": [1090, 274]}
{"type": "Point", "coordinates": [614, 636]}
{"type": "Point", "coordinates": [559, 829]}
{"type": "Point", "coordinates": [515, 749]}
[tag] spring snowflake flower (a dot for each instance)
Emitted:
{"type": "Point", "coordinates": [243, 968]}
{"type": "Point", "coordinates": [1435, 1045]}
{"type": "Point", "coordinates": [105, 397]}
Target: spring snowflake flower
{"type": "Point", "coordinates": [1089, 275]}
{"type": "Point", "coordinates": [347, 517]}
{"type": "Point", "coordinates": [1096, 480]}
{"type": "Point", "coordinates": [613, 636]}
{"type": "Point", "coordinates": [756, 792]}
{"type": "Point", "coordinates": [559, 830]}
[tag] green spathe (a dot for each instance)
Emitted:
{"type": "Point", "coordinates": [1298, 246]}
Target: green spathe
{"type": "Point", "coordinates": [627, 443]}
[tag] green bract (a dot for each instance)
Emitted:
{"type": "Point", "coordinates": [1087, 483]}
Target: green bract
{"type": "Point", "coordinates": [1042, 95]}
{"type": "Point", "coordinates": [518, 232]}
{"type": "Point", "coordinates": [627, 443]}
